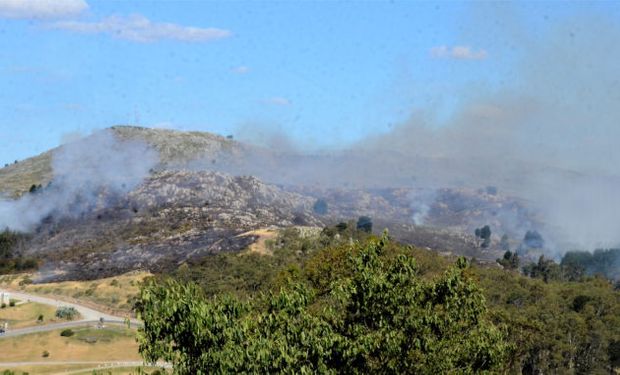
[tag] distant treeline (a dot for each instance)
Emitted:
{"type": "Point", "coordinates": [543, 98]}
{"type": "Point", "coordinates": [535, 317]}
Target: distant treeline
{"type": "Point", "coordinates": [604, 262]}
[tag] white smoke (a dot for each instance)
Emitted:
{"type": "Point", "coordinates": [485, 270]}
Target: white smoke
{"type": "Point", "coordinates": [88, 173]}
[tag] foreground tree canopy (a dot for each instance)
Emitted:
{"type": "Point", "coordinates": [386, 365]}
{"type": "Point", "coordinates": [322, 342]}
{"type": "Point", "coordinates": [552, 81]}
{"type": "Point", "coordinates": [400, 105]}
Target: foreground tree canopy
{"type": "Point", "coordinates": [366, 310]}
{"type": "Point", "coordinates": [345, 301]}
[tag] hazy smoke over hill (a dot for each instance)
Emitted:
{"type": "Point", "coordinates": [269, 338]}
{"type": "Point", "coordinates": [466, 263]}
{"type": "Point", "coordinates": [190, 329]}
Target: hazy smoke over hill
{"type": "Point", "coordinates": [88, 173]}
{"type": "Point", "coordinates": [552, 139]}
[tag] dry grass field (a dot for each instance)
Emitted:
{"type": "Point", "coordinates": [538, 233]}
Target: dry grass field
{"type": "Point", "coordinates": [84, 369]}
{"type": "Point", "coordinates": [27, 314]}
{"type": "Point", "coordinates": [112, 294]}
{"type": "Point", "coordinates": [87, 344]}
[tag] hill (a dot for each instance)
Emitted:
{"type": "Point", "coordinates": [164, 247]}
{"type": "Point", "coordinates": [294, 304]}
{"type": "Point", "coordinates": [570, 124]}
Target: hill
{"type": "Point", "coordinates": [174, 148]}
{"type": "Point", "coordinates": [130, 198]}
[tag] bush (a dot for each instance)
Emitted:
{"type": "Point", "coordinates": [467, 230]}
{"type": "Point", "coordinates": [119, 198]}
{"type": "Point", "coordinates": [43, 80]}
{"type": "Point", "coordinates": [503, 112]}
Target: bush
{"type": "Point", "coordinates": [66, 312]}
{"type": "Point", "coordinates": [45, 354]}
{"type": "Point", "coordinates": [67, 332]}
{"type": "Point", "coordinates": [40, 318]}
{"type": "Point", "coordinates": [3, 305]}
{"type": "Point", "coordinates": [12, 303]}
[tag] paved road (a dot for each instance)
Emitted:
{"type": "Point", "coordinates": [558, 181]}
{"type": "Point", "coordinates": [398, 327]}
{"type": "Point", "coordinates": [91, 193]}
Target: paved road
{"type": "Point", "coordinates": [88, 316]}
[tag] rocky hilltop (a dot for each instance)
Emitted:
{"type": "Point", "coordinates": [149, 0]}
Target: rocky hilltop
{"type": "Point", "coordinates": [170, 218]}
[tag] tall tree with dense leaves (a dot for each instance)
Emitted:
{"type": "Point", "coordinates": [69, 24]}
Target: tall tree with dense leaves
{"type": "Point", "coordinates": [374, 315]}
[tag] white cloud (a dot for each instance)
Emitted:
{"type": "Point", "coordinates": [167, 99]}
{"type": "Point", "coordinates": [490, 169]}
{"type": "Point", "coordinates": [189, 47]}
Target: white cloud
{"type": "Point", "coordinates": [41, 8]}
{"type": "Point", "coordinates": [138, 28]}
{"type": "Point", "coordinates": [458, 52]}
{"type": "Point", "coordinates": [277, 100]}
{"type": "Point", "coordinates": [242, 69]}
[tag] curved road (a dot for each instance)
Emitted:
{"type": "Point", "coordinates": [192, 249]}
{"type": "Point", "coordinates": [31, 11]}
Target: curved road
{"type": "Point", "coordinates": [88, 316]}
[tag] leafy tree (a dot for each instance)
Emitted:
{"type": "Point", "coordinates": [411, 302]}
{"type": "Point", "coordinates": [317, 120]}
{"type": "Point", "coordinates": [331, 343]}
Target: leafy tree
{"type": "Point", "coordinates": [484, 234]}
{"type": "Point", "coordinates": [545, 269]}
{"type": "Point", "coordinates": [533, 240]}
{"type": "Point", "coordinates": [397, 324]}
{"type": "Point", "coordinates": [509, 261]}
{"type": "Point", "coordinates": [364, 223]}
{"type": "Point", "coordinates": [374, 315]}
{"type": "Point", "coordinates": [574, 264]}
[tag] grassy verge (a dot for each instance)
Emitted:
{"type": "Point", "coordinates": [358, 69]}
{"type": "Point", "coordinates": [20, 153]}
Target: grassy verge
{"type": "Point", "coordinates": [27, 315]}
{"type": "Point", "coordinates": [87, 344]}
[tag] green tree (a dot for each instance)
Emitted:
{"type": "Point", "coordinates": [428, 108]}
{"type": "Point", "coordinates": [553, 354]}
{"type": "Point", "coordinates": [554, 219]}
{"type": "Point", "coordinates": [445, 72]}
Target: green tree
{"type": "Point", "coordinates": [484, 234]}
{"type": "Point", "coordinates": [364, 223]}
{"type": "Point", "coordinates": [545, 269]}
{"type": "Point", "coordinates": [374, 314]}
{"type": "Point", "coordinates": [509, 261]}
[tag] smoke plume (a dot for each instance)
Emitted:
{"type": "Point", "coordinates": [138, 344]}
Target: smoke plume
{"type": "Point", "coordinates": [88, 173]}
{"type": "Point", "coordinates": [550, 138]}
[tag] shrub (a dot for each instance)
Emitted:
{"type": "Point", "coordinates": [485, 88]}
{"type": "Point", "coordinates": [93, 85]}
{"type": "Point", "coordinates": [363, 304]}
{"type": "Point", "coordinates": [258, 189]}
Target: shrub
{"type": "Point", "coordinates": [67, 332]}
{"type": "Point", "coordinates": [12, 303]}
{"type": "Point", "coordinates": [3, 305]}
{"type": "Point", "coordinates": [66, 312]}
{"type": "Point", "coordinates": [45, 354]}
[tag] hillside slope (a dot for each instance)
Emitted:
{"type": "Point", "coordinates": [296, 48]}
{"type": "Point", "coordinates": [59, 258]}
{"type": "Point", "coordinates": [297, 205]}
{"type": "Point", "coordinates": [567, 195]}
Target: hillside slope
{"type": "Point", "coordinates": [175, 148]}
{"type": "Point", "coordinates": [184, 208]}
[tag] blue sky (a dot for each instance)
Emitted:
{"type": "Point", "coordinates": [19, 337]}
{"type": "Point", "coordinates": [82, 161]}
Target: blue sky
{"type": "Point", "coordinates": [325, 73]}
